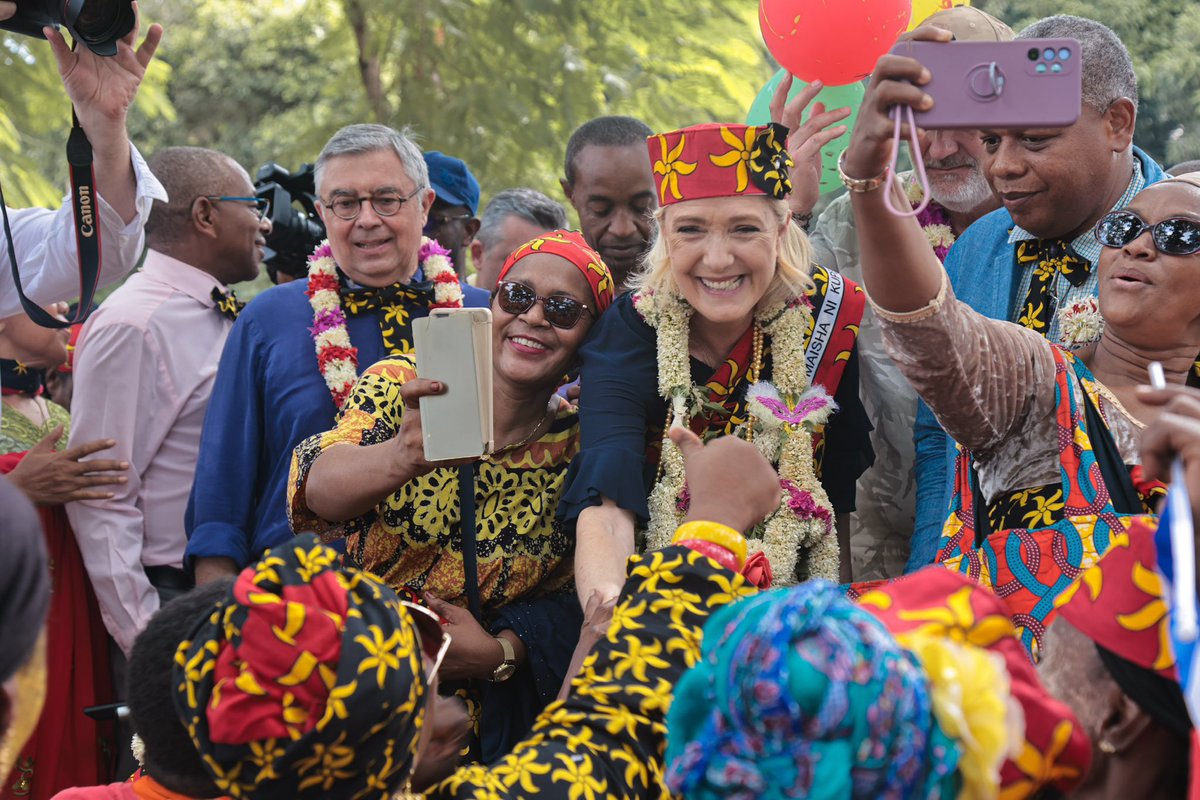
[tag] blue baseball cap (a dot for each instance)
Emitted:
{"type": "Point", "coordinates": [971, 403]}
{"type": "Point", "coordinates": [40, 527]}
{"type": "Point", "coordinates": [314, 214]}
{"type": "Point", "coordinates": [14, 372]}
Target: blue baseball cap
{"type": "Point", "coordinates": [452, 180]}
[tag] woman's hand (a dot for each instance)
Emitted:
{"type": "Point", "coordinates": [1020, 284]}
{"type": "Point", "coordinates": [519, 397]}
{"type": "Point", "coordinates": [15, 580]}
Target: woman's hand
{"type": "Point", "coordinates": [730, 482]}
{"type": "Point", "coordinates": [805, 141]}
{"type": "Point", "coordinates": [1175, 434]}
{"type": "Point", "coordinates": [409, 442]}
{"type": "Point", "coordinates": [896, 81]}
{"type": "Point", "coordinates": [473, 653]}
{"type": "Point", "coordinates": [597, 615]}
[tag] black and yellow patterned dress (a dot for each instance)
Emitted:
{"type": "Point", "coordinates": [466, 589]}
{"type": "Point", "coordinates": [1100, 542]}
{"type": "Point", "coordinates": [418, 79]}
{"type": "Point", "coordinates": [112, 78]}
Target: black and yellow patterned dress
{"type": "Point", "coordinates": [413, 539]}
{"type": "Point", "coordinates": [607, 740]}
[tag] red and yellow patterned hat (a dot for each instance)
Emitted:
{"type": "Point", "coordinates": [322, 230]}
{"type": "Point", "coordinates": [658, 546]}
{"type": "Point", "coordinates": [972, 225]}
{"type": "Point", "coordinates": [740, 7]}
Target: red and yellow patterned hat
{"type": "Point", "coordinates": [942, 603]}
{"type": "Point", "coordinates": [718, 160]}
{"type": "Point", "coordinates": [1119, 604]}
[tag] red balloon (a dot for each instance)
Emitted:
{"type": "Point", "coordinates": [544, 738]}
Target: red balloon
{"type": "Point", "coordinates": [833, 41]}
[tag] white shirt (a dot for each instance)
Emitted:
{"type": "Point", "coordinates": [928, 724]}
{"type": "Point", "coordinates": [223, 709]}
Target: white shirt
{"type": "Point", "coordinates": [44, 241]}
{"type": "Point", "coordinates": [144, 370]}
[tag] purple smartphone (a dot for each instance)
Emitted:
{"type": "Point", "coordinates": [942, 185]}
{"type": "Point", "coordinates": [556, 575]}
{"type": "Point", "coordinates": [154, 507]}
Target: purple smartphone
{"type": "Point", "coordinates": [1032, 83]}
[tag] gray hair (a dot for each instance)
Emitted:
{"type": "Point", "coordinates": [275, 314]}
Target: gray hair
{"type": "Point", "coordinates": [357, 140]}
{"type": "Point", "coordinates": [527, 204]}
{"type": "Point", "coordinates": [186, 173]}
{"type": "Point", "coordinates": [1107, 68]}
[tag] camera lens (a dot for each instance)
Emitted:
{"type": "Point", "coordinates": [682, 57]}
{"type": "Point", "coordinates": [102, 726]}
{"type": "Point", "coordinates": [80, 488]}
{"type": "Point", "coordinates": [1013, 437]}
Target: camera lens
{"type": "Point", "coordinates": [99, 23]}
{"type": "Point", "coordinates": [1033, 54]}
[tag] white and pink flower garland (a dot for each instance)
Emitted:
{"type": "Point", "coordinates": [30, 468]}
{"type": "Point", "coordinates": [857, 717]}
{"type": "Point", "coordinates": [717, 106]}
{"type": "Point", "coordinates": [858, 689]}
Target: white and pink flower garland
{"type": "Point", "coordinates": [336, 357]}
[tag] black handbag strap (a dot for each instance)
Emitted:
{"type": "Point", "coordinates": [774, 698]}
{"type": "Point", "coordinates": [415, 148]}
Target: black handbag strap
{"type": "Point", "coordinates": [466, 501]}
{"type": "Point", "coordinates": [86, 208]}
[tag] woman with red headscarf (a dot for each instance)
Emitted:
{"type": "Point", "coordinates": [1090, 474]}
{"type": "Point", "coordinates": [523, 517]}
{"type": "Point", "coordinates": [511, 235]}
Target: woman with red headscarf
{"type": "Point", "coordinates": [403, 516]}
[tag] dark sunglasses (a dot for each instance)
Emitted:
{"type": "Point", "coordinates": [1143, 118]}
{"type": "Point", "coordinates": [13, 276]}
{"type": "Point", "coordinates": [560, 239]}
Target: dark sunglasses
{"type": "Point", "coordinates": [559, 310]}
{"type": "Point", "coordinates": [1177, 236]}
{"type": "Point", "coordinates": [434, 639]}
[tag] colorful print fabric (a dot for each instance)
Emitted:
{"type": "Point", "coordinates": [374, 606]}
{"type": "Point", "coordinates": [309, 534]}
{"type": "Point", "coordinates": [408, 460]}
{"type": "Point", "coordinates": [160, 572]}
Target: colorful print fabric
{"type": "Point", "coordinates": [571, 246]}
{"type": "Point", "coordinates": [303, 678]}
{"type": "Point", "coordinates": [800, 693]}
{"type": "Point", "coordinates": [717, 160]}
{"type": "Point", "coordinates": [413, 539]}
{"type": "Point", "coordinates": [1031, 565]}
{"type": "Point", "coordinates": [393, 304]}
{"type": "Point", "coordinates": [937, 602]}
{"type": "Point", "coordinates": [608, 738]}
{"type": "Point", "coordinates": [1052, 257]}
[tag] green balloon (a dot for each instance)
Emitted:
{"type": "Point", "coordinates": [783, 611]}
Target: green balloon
{"type": "Point", "coordinates": [849, 95]}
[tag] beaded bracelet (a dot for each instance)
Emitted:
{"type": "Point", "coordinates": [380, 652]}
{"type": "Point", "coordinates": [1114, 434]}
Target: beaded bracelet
{"type": "Point", "coordinates": [720, 535]}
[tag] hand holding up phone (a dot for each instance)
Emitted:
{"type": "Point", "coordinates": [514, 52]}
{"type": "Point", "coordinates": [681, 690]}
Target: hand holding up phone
{"type": "Point", "coordinates": [896, 81]}
{"type": "Point", "coordinates": [409, 441]}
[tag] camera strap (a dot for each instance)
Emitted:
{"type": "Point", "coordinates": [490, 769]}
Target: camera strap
{"type": "Point", "coordinates": [86, 210]}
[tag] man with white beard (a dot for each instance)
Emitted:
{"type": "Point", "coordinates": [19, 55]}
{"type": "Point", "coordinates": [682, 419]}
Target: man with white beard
{"type": "Point", "coordinates": [886, 499]}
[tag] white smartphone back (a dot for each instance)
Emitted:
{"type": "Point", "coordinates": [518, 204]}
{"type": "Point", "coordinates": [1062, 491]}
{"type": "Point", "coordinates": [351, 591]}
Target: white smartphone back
{"type": "Point", "coordinates": [454, 346]}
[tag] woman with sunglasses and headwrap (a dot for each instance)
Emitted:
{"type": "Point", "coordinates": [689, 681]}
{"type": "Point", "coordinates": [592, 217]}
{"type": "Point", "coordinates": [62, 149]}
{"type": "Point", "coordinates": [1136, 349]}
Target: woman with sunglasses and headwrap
{"type": "Point", "coordinates": [1048, 474]}
{"type": "Point", "coordinates": [367, 479]}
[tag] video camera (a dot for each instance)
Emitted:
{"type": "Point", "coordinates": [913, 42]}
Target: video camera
{"type": "Point", "coordinates": [296, 229]}
{"type": "Point", "coordinates": [98, 24]}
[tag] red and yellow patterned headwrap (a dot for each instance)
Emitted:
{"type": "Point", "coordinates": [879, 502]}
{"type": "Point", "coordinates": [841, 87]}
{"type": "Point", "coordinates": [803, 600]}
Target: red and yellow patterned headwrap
{"type": "Point", "coordinates": [1118, 604]}
{"type": "Point", "coordinates": [716, 160]}
{"type": "Point", "coordinates": [571, 246]}
{"type": "Point", "coordinates": [943, 603]}
{"type": "Point", "coordinates": [304, 677]}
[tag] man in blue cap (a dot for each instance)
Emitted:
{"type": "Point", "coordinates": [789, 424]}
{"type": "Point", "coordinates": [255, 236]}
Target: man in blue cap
{"type": "Point", "coordinates": [452, 219]}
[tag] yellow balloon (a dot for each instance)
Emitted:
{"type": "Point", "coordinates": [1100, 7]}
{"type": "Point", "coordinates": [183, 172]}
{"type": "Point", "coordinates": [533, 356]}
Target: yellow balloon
{"type": "Point", "coordinates": [923, 9]}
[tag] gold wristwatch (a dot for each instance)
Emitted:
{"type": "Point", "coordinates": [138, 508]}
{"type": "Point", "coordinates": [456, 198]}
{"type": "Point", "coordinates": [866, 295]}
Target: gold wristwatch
{"type": "Point", "coordinates": [509, 665]}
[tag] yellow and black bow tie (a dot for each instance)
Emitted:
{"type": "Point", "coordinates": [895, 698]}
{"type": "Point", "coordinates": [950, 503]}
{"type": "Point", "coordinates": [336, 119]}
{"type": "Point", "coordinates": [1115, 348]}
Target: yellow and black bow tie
{"type": "Point", "coordinates": [1050, 258]}
{"type": "Point", "coordinates": [227, 303]}
{"type": "Point", "coordinates": [395, 304]}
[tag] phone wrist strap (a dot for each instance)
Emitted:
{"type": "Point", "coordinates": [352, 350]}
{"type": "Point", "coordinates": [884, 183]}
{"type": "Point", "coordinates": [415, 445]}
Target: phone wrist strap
{"type": "Point", "coordinates": [918, 164]}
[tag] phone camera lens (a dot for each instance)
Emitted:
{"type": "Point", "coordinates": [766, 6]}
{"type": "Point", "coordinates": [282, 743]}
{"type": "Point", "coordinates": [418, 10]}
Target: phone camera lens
{"type": "Point", "coordinates": [1064, 54]}
{"type": "Point", "coordinates": [1033, 54]}
{"type": "Point", "coordinates": [1048, 54]}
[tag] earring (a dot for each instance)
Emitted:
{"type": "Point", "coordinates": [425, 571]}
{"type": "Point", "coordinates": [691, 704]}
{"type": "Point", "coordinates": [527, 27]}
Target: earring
{"type": "Point", "coordinates": [1107, 747]}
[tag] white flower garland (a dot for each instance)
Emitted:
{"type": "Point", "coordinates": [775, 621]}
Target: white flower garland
{"type": "Point", "coordinates": [336, 357]}
{"type": "Point", "coordinates": [784, 415]}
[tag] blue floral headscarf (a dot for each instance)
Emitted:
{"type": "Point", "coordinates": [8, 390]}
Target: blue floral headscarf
{"type": "Point", "coordinates": [800, 693]}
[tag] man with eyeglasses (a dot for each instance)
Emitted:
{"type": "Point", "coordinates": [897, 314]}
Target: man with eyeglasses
{"type": "Point", "coordinates": [144, 369]}
{"type": "Point", "coordinates": [295, 352]}
{"type": "Point", "coordinates": [452, 221]}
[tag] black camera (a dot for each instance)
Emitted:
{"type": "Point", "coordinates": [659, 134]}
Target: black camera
{"type": "Point", "coordinates": [97, 24]}
{"type": "Point", "coordinates": [296, 229]}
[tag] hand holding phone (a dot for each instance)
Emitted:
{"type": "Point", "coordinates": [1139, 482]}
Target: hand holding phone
{"type": "Point", "coordinates": [1025, 83]}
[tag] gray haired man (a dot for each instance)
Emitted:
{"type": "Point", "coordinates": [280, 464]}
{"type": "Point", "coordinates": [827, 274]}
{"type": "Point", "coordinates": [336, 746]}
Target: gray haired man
{"type": "Point", "coordinates": [512, 218]}
{"type": "Point", "coordinates": [271, 391]}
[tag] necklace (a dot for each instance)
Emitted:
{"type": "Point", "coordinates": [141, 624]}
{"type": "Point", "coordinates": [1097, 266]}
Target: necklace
{"type": "Point", "coordinates": [798, 537]}
{"type": "Point", "coordinates": [336, 357]}
{"type": "Point", "coordinates": [550, 408]}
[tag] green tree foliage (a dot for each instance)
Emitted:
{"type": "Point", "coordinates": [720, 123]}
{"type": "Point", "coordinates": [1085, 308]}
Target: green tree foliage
{"type": "Point", "coordinates": [35, 118]}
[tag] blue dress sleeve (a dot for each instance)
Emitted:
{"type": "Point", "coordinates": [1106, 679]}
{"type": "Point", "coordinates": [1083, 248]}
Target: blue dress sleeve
{"type": "Point", "coordinates": [619, 395]}
{"type": "Point", "coordinates": [221, 507]}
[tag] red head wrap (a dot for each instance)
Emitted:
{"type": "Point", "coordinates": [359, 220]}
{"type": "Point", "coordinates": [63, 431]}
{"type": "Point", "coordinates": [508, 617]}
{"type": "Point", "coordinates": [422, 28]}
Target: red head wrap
{"type": "Point", "coordinates": [715, 160]}
{"type": "Point", "coordinates": [571, 246]}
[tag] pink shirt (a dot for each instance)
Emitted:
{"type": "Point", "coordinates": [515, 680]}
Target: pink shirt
{"type": "Point", "coordinates": [144, 370]}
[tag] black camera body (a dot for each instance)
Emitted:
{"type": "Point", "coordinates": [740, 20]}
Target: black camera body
{"type": "Point", "coordinates": [97, 24]}
{"type": "Point", "coordinates": [296, 229]}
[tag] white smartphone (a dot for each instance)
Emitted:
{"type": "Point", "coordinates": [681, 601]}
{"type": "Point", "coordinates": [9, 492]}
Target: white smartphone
{"type": "Point", "coordinates": [454, 346]}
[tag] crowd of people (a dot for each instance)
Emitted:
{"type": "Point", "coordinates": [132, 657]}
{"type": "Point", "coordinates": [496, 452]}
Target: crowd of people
{"type": "Point", "coordinates": [780, 503]}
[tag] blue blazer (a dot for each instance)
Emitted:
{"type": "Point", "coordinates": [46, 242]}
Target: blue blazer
{"type": "Point", "coordinates": [980, 266]}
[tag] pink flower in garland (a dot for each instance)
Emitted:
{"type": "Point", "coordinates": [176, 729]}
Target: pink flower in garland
{"type": "Point", "coordinates": [804, 505]}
